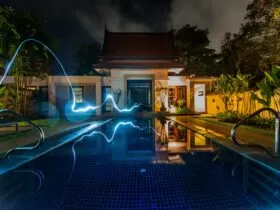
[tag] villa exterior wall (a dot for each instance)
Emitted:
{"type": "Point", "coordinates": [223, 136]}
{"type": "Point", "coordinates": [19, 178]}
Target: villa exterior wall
{"type": "Point", "coordinates": [175, 81]}
{"type": "Point", "coordinates": [81, 81]}
{"type": "Point", "coordinates": [52, 81]}
{"type": "Point", "coordinates": [245, 104]}
{"type": "Point", "coordinates": [120, 76]}
{"type": "Point", "coordinates": [106, 81]}
{"type": "Point", "coordinates": [118, 80]}
{"type": "Point", "coordinates": [191, 82]}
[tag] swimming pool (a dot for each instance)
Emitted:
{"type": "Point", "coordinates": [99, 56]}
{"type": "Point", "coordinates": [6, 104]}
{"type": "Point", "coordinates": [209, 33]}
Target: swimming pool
{"type": "Point", "coordinates": [163, 166]}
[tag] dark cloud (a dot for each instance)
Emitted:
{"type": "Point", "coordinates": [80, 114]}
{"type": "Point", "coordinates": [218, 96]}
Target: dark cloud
{"type": "Point", "coordinates": [219, 16]}
{"type": "Point", "coordinates": [124, 16]}
{"type": "Point", "coordinates": [76, 22]}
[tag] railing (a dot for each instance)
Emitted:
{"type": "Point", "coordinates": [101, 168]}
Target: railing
{"type": "Point", "coordinates": [276, 152]}
{"type": "Point", "coordinates": [19, 117]}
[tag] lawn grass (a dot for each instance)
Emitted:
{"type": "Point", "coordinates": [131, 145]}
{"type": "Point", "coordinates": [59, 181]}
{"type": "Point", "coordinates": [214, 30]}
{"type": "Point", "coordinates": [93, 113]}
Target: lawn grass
{"type": "Point", "coordinates": [43, 123]}
{"type": "Point", "coordinates": [267, 131]}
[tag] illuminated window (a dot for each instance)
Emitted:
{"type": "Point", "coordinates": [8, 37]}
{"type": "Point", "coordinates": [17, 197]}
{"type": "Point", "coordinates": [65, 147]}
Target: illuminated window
{"type": "Point", "coordinates": [175, 94]}
{"type": "Point", "coordinates": [31, 91]}
{"type": "Point", "coordinates": [171, 96]}
{"type": "Point", "coordinates": [79, 94]}
{"type": "Point", "coordinates": [31, 88]}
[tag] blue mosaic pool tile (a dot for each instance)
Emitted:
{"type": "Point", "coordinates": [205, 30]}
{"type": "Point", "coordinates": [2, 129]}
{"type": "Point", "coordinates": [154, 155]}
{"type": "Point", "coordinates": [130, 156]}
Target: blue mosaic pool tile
{"type": "Point", "coordinates": [121, 175]}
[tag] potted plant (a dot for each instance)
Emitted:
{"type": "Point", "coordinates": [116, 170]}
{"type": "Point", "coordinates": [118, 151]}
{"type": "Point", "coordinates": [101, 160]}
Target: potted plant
{"type": "Point", "coordinates": [163, 91]}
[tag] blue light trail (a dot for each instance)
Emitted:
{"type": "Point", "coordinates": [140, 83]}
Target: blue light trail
{"type": "Point", "coordinates": [39, 174]}
{"type": "Point", "coordinates": [102, 134]}
{"type": "Point", "coordinates": [85, 109]}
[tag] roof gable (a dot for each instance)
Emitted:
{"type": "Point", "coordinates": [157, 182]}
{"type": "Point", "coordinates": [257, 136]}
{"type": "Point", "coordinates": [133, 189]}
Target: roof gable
{"type": "Point", "coordinates": [137, 45]}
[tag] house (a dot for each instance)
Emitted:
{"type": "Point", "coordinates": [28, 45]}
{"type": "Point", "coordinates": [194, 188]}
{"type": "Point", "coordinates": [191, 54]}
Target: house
{"type": "Point", "coordinates": [139, 64]}
{"type": "Point", "coordinates": [134, 68]}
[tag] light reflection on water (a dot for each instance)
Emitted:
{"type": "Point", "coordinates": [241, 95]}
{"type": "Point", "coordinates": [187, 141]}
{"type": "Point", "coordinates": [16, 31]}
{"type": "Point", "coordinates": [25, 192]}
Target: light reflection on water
{"type": "Point", "coordinates": [171, 151]}
{"type": "Point", "coordinates": [176, 139]}
{"type": "Point", "coordinates": [161, 141]}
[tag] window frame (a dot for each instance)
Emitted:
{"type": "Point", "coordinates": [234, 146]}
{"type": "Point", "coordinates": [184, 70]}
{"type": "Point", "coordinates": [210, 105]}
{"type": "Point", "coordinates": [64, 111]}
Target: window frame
{"type": "Point", "coordinates": [176, 94]}
{"type": "Point", "coordinates": [83, 93]}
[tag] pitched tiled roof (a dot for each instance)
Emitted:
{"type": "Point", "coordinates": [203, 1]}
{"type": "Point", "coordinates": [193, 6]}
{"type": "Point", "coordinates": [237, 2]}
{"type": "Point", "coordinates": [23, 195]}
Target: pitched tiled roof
{"type": "Point", "coordinates": [139, 65]}
{"type": "Point", "coordinates": [138, 50]}
{"type": "Point", "coordinates": [138, 45]}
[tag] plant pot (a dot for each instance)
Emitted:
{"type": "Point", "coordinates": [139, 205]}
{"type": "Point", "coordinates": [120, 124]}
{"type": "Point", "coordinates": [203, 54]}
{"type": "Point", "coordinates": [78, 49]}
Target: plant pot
{"type": "Point", "coordinates": [162, 109]}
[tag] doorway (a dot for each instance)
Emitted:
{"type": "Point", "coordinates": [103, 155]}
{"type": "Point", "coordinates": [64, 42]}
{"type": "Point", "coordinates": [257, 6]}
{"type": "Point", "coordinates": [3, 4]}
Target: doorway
{"type": "Point", "coordinates": [140, 92]}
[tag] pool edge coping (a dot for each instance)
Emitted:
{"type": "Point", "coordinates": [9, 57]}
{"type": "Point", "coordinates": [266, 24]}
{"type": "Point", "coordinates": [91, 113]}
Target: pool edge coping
{"type": "Point", "coordinates": [29, 159]}
{"type": "Point", "coordinates": [245, 154]}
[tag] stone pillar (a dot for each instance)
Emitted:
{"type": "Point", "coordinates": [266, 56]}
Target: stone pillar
{"type": "Point", "coordinates": [52, 96]}
{"type": "Point", "coordinates": [188, 82]}
{"type": "Point", "coordinates": [98, 95]}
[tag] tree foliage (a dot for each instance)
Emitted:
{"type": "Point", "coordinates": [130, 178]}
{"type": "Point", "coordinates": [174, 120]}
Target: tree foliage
{"type": "Point", "coordinates": [86, 55]}
{"type": "Point", "coordinates": [256, 47]}
{"type": "Point", "coordinates": [8, 96]}
{"type": "Point", "coordinates": [269, 88]}
{"type": "Point", "coordinates": [32, 61]}
{"type": "Point", "coordinates": [229, 87]}
{"type": "Point", "coordinates": [192, 45]}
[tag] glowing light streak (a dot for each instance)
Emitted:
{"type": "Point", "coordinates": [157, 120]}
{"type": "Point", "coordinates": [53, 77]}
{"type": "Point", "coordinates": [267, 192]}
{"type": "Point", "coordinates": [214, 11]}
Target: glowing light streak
{"type": "Point", "coordinates": [39, 174]}
{"type": "Point", "coordinates": [108, 97]}
{"type": "Point", "coordinates": [85, 109]}
{"type": "Point", "coordinates": [105, 137]}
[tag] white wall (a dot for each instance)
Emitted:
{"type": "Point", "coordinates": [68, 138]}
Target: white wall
{"type": "Point", "coordinates": [52, 81]}
{"type": "Point", "coordinates": [118, 79]}
{"type": "Point", "coordinates": [75, 81]}
{"type": "Point", "coordinates": [177, 81]}
{"type": "Point", "coordinates": [106, 81]}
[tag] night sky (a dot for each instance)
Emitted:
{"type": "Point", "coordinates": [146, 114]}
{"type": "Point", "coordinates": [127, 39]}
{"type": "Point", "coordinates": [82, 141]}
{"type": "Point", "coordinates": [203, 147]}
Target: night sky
{"type": "Point", "coordinates": [76, 22]}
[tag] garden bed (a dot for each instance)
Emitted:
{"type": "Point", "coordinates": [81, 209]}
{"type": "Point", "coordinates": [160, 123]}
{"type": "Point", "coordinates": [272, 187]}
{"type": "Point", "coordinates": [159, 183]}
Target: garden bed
{"type": "Point", "coordinates": [256, 129]}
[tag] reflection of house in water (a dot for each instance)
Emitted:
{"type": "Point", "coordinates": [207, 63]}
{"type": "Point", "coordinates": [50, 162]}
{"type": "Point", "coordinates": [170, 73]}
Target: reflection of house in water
{"type": "Point", "coordinates": [132, 144]}
{"type": "Point", "coordinates": [159, 142]}
{"type": "Point", "coordinates": [178, 140]}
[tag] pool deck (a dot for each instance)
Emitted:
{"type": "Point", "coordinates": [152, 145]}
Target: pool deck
{"type": "Point", "coordinates": [53, 140]}
{"type": "Point", "coordinates": [27, 135]}
{"type": "Point", "coordinates": [221, 134]}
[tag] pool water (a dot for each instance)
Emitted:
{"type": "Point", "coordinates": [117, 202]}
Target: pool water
{"type": "Point", "coordinates": [172, 168]}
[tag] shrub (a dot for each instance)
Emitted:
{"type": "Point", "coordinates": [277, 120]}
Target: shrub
{"type": "Point", "coordinates": [234, 117]}
{"type": "Point", "coordinates": [229, 116]}
{"type": "Point", "coordinates": [180, 107]}
{"type": "Point", "coordinates": [261, 122]}
{"type": "Point", "coordinates": [181, 110]}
